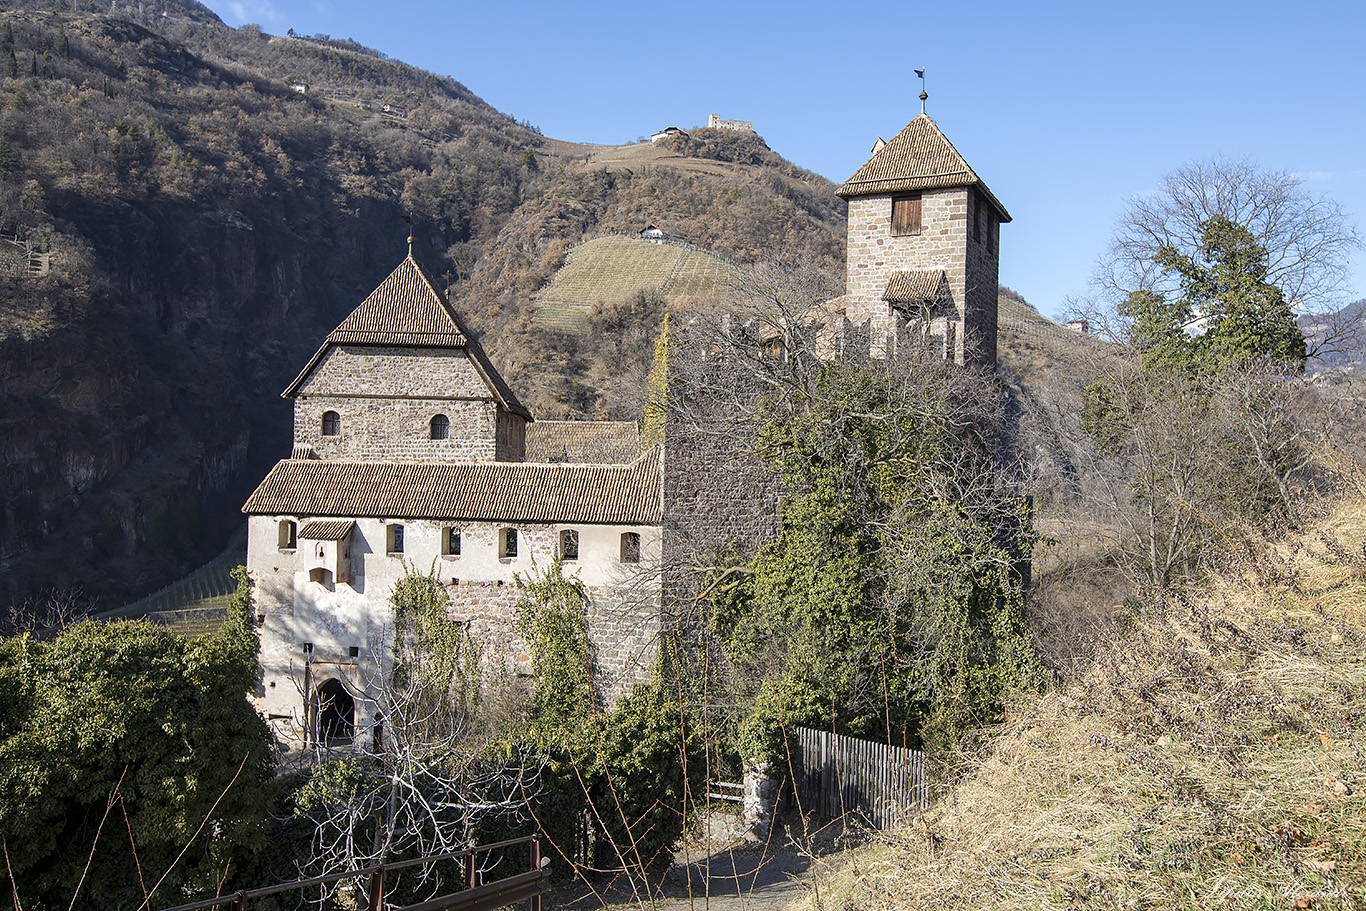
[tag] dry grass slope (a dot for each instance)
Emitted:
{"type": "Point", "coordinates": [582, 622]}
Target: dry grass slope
{"type": "Point", "coordinates": [1214, 757]}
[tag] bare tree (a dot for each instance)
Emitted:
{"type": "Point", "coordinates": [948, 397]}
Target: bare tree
{"type": "Point", "coordinates": [48, 613]}
{"type": "Point", "coordinates": [1307, 239]}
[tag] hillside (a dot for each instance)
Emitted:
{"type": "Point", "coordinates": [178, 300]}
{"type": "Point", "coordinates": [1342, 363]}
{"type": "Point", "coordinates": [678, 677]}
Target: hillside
{"type": "Point", "coordinates": [1211, 757]}
{"type": "Point", "coordinates": [209, 202]}
{"type": "Point", "coordinates": [610, 269]}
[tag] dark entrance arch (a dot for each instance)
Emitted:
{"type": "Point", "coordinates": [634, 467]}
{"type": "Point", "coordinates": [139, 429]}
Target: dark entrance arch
{"type": "Point", "coordinates": [336, 713]}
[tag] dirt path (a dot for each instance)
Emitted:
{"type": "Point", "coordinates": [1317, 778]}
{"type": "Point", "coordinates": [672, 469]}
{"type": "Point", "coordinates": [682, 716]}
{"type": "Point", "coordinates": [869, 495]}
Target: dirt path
{"type": "Point", "coordinates": [733, 877]}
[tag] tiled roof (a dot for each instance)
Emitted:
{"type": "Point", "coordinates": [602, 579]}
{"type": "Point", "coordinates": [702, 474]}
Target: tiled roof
{"type": "Point", "coordinates": [407, 310]}
{"type": "Point", "coordinates": [920, 286]}
{"type": "Point", "coordinates": [334, 530]}
{"type": "Point", "coordinates": [600, 442]}
{"type": "Point", "coordinates": [490, 491]}
{"type": "Point", "coordinates": [920, 157]}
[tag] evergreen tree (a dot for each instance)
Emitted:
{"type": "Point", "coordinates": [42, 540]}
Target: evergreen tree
{"type": "Point", "coordinates": [1226, 312]}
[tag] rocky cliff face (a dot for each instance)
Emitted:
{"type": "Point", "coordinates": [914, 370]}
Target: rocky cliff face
{"type": "Point", "coordinates": [207, 225]}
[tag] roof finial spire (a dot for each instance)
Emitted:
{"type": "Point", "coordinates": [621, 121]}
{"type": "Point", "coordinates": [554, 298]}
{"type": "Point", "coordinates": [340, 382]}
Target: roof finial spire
{"type": "Point", "coordinates": [923, 94]}
{"type": "Point", "coordinates": [409, 219]}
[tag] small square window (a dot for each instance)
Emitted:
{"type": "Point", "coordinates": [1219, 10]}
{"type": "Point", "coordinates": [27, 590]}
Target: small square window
{"type": "Point", "coordinates": [354, 651]}
{"type": "Point", "coordinates": [450, 541]}
{"type": "Point", "coordinates": [630, 547]}
{"type": "Point", "coordinates": [308, 648]}
{"type": "Point", "coordinates": [906, 214]}
{"type": "Point", "coordinates": [569, 544]}
{"type": "Point", "coordinates": [507, 543]}
{"type": "Point", "coordinates": [395, 539]}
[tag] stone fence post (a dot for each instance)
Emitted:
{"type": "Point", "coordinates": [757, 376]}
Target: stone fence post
{"type": "Point", "coordinates": [761, 800]}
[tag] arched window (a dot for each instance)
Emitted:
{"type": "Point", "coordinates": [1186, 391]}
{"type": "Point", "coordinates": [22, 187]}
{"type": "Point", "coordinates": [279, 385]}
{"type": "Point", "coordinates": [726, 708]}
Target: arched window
{"type": "Point", "coordinates": [331, 424]}
{"type": "Point", "coordinates": [288, 534]}
{"type": "Point", "coordinates": [630, 547]}
{"type": "Point", "coordinates": [322, 576]}
{"type": "Point", "coordinates": [336, 713]}
{"type": "Point", "coordinates": [441, 427]}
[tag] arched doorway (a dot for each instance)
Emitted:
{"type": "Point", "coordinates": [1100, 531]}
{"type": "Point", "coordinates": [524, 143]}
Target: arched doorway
{"type": "Point", "coordinates": [336, 713]}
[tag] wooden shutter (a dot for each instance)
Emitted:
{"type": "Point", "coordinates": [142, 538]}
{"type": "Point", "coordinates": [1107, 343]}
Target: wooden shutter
{"type": "Point", "coordinates": [906, 214]}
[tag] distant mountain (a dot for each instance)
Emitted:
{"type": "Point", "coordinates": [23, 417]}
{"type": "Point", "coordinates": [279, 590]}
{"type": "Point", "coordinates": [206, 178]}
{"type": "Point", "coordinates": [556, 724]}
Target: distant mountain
{"type": "Point", "coordinates": [1337, 341]}
{"type": "Point", "coordinates": [191, 208]}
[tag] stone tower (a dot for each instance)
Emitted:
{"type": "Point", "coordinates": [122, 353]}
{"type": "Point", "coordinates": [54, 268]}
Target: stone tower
{"type": "Point", "coordinates": [923, 249]}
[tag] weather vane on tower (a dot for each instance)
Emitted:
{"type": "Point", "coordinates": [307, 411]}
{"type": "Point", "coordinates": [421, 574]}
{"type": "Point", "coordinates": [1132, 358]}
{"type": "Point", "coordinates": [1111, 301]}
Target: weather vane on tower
{"type": "Point", "coordinates": [923, 94]}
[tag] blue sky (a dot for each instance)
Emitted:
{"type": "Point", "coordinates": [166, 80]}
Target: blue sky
{"type": "Point", "coordinates": [1064, 109]}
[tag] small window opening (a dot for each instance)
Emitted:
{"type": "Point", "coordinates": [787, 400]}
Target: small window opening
{"type": "Point", "coordinates": [353, 651]}
{"type": "Point", "coordinates": [569, 544]}
{"type": "Point", "coordinates": [630, 547]}
{"type": "Point", "coordinates": [322, 576]}
{"type": "Point", "coordinates": [308, 648]}
{"type": "Point", "coordinates": [906, 214]}
{"type": "Point", "coordinates": [331, 424]}
{"type": "Point", "coordinates": [336, 713]}
{"type": "Point", "coordinates": [289, 532]}
{"type": "Point", "coordinates": [507, 543]}
{"type": "Point", "coordinates": [395, 536]}
{"type": "Point", "coordinates": [450, 542]}
{"type": "Point", "coordinates": [377, 734]}
{"type": "Point", "coordinates": [441, 427]}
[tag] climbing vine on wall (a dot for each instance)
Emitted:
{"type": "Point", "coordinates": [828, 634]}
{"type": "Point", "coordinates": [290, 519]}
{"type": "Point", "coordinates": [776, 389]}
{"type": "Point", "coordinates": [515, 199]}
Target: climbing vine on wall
{"type": "Point", "coordinates": [890, 605]}
{"type": "Point", "coordinates": [435, 659]}
{"type": "Point", "coordinates": [552, 619]}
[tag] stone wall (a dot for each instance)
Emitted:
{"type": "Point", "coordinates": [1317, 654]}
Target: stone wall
{"type": "Point", "coordinates": [386, 399]}
{"type": "Point", "coordinates": [720, 496]}
{"type": "Point", "coordinates": [397, 430]}
{"type": "Point", "coordinates": [982, 282]}
{"type": "Point", "coordinates": [945, 242]}
{"type": "Point", "coordinates": [406, 372]}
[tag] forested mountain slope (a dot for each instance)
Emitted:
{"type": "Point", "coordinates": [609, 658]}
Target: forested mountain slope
{"type": "Point", "coordinates": [203, 223]}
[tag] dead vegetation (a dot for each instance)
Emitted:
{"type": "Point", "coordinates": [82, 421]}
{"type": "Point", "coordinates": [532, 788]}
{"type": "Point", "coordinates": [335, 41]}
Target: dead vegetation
{"type": "Point", "coordinates": [1212, 755]}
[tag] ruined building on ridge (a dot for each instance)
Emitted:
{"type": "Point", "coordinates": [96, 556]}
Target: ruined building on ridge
{"type": "Point", "coordinates": [411, 451]}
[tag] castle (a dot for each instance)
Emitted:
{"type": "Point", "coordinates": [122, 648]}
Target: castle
{"type": "Point", "coordinates": [411, 451]}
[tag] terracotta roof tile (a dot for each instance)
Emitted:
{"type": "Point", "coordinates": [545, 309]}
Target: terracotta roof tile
{"type": "Point", "coordinates": [920, 286]}
{"type": "Point", "coordinates": [334, 530]}
{"type": "Point", "coordinates": [491, 491]}
{"type": "Point", "coordinates": [920, 157]}
{"type": "Point", "coordinates": [600, 442]}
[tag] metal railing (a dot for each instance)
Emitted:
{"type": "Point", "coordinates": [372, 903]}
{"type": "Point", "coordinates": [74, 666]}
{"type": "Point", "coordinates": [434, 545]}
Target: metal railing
{"type": "Point", "coordinates": [518, 887]}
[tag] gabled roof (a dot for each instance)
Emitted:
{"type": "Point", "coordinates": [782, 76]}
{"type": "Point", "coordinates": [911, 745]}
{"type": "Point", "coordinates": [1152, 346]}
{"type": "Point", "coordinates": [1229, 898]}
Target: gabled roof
{"type": "Point", "coordinates": [486, 491]}
{"type": "Point", "coordinates": [408, 310]}
{"type": "Point", "coordinates": [600, 442]}
{"type": "Point", "coordinates": [332, 530]}
{"type": "Point", "coordinates": [920, 157]}
{"type": "Point", "coordinates": [917, 286]}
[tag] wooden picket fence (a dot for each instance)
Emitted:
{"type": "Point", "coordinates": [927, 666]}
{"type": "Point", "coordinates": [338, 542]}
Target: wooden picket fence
{"type": "Point", "coordinates": [838, 775]}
